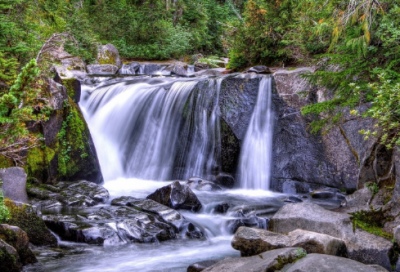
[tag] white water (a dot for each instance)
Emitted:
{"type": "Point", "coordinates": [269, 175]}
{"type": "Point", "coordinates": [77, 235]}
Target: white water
{"type": "Point", "coordinates": [255, 157]}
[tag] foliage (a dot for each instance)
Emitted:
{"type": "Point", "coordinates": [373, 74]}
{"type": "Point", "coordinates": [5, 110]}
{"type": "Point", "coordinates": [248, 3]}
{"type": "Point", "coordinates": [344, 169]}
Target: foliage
{"type": "Point", "coordinates": [370, 221]}
{"type": "Point", "coordinates": [4, 212]}
{"type": "Point", "coordinates": [373, 187]}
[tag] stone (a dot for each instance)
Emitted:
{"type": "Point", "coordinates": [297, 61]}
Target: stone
{"type": "Point", "coordinates": [273, 260]}
{"type": "Point", "coordinates": [178, 68]}
{"type": "Point", "coordinates": [176, 196]}
{"type": "Point", "coordinates": [108, 54]}
{"type": "Point", "coordinates": [359, 198]}
{"type": "Point", "coordinates": [200, 266]}
{"type": "Point", "coordinates": [327, 193]}
{"type": "Point", "coordinates": [260, 69]}
{"type": "Point", "coordinates": [292, 199]}
{"type": "Point", "coordinates": [131, 68]}
{"type": "Point", "coordinates": [202, 185]}
{"type": "Point", "coordinates": [248, 221]}
{"type": "Point", "coordinates": [9, 258]}
{"type": "Point", "coordinates": [221, 208]}
{"type": "Point", "coordinates": [14, 183]}
{"type": "Point", "coordinates": [225, 180]}
{"type": "Point", "coordinates": [19, 240]}
{"type": "Point", "coordinates": [328, 263]}
{"type": "Point", "coordinates": [198, 66]}
{"type": "Point", "coordinates": [102, 69]}
{"type": "Point", "coordinates": [255, 241]}
{"type": "Point", "coordinates": [361, 245]}
{"type": "Point", "coordinates": [396, 232]}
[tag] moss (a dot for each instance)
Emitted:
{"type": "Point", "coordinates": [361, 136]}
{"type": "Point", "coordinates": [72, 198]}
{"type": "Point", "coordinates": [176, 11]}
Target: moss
{"type": "Point", "coordinates": [11, 238]}
{"type": "Point", "coordinates": [371, 221]}
{"type": "Point", "coordinates": [38, 162]}
{"type": "Point", "coordinates": [107, 57]}
{"type": "Point", "coordinates": [5, 162]}
{"type": "Point", "coordinates": [70, 85]}
{"type": "Point", "coordinates": [26, 218]}
{"type": "Point", "coordinates": [8, 263]}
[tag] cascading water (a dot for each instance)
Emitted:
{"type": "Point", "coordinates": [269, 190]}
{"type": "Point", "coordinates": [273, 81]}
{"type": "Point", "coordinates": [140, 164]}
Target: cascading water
{"type": "Point", "coordinates": [255, 157]}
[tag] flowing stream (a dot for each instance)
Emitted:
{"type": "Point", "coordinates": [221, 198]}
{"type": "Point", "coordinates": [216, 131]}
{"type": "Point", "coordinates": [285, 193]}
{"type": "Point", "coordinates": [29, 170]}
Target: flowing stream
{"type": "Point", "coordinates": [149, 131]}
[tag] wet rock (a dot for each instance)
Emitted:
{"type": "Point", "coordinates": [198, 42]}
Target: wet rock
{"type": "Point", "coordinates": [14, 183]}
{"type": "Point", "coordinates": [260, 69]}
{"type": "Point", "coordinates": [176, 196]}
{"type": "Point", "coordinates": [292, 199]}
{"type": "Point", "coordinates": [9, 259]}
{"type": "Point", "coordinates": [18, 239]}
{"type": "Point", "coordinates": [129, 69]}
{"type": "Point", "coordinates": [202, 185]}
{"type": "Point", "coordinates": [225, 180]}
{"type": "Point", "coordinates": [254, 241]}
{"type": "Point", "coordinates": [327, 193]}
{"type": "Point", "coordinates": [252, 221]}
{"type": "Point", "coordinates": [328, 263]}
{"type": "Point", "coordinates": [221, 208]}
{"type": "Point", "coordinates": [25, 217]}
{"type": "Point", "coordinates": [178, 68]}
{"type": "Point", "coordinates": [200, 266]}
{"type": "Point", "coordinates": [192, 231]}
{"type": "Point", "coordinates": [362, 246]}
{"type": "Point", "coordinates": [108, 54]}
{"type": "Point", "coordinates": [273, 260]}
{"type": "Point", "coordinates": [96, 193]}
{"type": "Point", "coordinates": [102, 69]}
{"type": "Point", "coordinates": [396, 232]}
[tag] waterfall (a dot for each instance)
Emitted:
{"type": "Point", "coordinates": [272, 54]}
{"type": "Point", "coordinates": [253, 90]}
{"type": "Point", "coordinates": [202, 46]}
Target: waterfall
{"type": "Point", "coordinates": [255, 157]}
{"type": "Point", "coordinates": [154, 128]}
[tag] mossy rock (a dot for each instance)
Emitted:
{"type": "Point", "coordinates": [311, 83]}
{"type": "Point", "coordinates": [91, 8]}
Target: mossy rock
{"type": "Point", "coordinates": [26, 218]}
{"type": "Point", "coordinates": [73, 88]}
{"type": "Point", "coordinates": [8, 262]}
{"type": "Point", "coordinates": [108, 54]}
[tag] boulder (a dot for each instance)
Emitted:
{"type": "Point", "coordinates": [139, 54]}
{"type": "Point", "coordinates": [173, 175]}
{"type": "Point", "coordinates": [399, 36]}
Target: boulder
{"type": "Point", "coordinates": [292, 199]}
{"type": "Point", "coordinates": [259, 69]}
{"type": "Point", "coordinates": [361, 245]}
{"type": "Point", "coordinates": [102, 69]}
{"type": "Point", "coordinates": [221, 208]}
{"type": "Point", "coordinates": [254, 241]}
{"type": "Point", "coordinates": [178, 68]}
{"type": "Point", "coordinates": [176, 196]}
{"type": "Point", "coordinates": [252, 221]}
{"type": "Point", "coordinates": [225, 180]}
{"type": "Point", "coordinates": [14, 183]}
{"type": "Point", "coordinates": [108, 54]}
{"type": "Point", "coordinates": [9, 259]}
{"type": "Point", "coordinates": [202, 185]}
{"type": "Point", "coordinates": [200, 266]}
{"type": "Point", "coordinates": [328, 263]}
{"type": "Point", "coordinates": [25, 217]}
{"type": "Point", "coordinates": [273, 260]}
{"type": "Point", "coordinates": [129, 69]}
{"type": "Point", "coordinates": [19, 240]}
{"type": "Point", "coordinates": [327, 193]}
{"type": "Point", "coordinates": [359, 198]}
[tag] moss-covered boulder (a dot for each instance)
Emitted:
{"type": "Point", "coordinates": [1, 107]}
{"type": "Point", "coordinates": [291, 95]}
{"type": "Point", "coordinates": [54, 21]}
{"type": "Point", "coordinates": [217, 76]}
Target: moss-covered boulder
{"type": "Point", "coordinates": [25, 217]}
{"type": "Point", "coordinates": [108, 54]}
{"type": "Point", "coordinates": [67, 151]}
{"type": "Point", "coordinates": [8, 258]}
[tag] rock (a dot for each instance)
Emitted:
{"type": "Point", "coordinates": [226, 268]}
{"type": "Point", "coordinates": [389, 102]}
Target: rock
{"type": "Point", "coordinates": [328, 263]}
{"type": "Point", "coordinates": [362, 246]}
{"type": "Point", "coordinates": [176, 196]}
{"type": "Point", "coordinates": [200, 266]}
{"type": "Point", "coordinates": [178, 68]}
{"type": "Point", "coordinates": [9, 259]}
{"type": "Point", "coordinates": [97, 193]}
{"type": "Point", "coordinates": [359, 198]}
{"type": "Point", "coordinates": [221, 208]}
{"type": "Point", "coordinates": [198, 66]}
{"type": "Point", "coordinates": [14, 183]}
{"type": "Point", "coordinates": [19, 240]}
{"type": "Point", "coordinates": [247, 221]}
{"type": "Point", "coordinates": [202, 185]}
{"type": "Point", "coordinates": [25, 217]}
{"type": "Point", "coordinates": [292, 199]}
{"type": "Point", "coordinates": [396, 232]}
{"type": "Point", "coordinates": [129, 69]}
{"type": "Point", "coordinates": [327, 193]}
{"type": "Point", "coordinates": [255, 241]}
{"type": "Point", "coordinates": [108, 54]}
{"type": "Point", "coordinates": [273, 260]}
{"type": "Point", "coordinates": [260, 69]}
{"type": "Point", "coordinates": [102, 69]}
{"type": "Point", "coordinates": [225, 180]}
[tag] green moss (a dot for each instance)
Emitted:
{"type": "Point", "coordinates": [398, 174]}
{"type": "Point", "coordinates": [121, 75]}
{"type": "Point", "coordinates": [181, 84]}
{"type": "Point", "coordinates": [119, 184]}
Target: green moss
{"type": "Point", "coordinates": [69, 84]}
{"type": "Point", "coordinates": [38, 161]}
{"type": "Point", "coordinates": [8, 263]}
{"type": "Point", "coordinates": [26, 218]}
{"type": "Point", "coordinates": [107, 58]}
{"type": "Point", "coordinates": [371, 221]}
{"type": "Point", "coordinates": [5, 162]}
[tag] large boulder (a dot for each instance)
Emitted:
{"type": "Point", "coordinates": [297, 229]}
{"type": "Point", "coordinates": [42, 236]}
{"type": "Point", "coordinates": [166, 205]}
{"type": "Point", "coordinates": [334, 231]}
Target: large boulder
{"type": "Point", "coordinates": [25, 217]}
{"type": "Point", "coordinates": [273, 260]}
{"type": "Point", "coordinates": [361, 245]}
{"type": "Point", "coordinates": [176, 196]}
{"type": "Point", "coordinates": [255, 241]}
{"type": "Point", "coordinates": [19, 240]}
{"type": "Point", "coordinates": [68, 152]}
{"type": "Point", "coordinates": [14, 183]}
{"type": "Point", "coordinates": [108, 54]}
{"type": "Point", "coordinates": [327, 263]}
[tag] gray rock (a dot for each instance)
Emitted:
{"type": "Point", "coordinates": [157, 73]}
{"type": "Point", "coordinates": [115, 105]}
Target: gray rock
{"type": "Point", "coordinates": [108, 54]}
{"type": "Point", "coordinates": [102, 69]}
{"type": "Point", "coordinates": [176, 196]}
{"type": "Point", "coordinates": [362, 246]}
{"type": "Point", "coordinates": [273, 260]}
{"type": "Point", "coordinates": [129, 69]}
{"type": "Point", "coordinates": [328, 263]}
{"type": "Point", "coordinates": [225, 180]}
{"type": "Point", "coordinates": [327, 193]}
{"type": "Point", "coordinates": [292, 199]}
{"type": "Point", "coordinates": [255, 241]}
{"type": "Point", "coordinates": [221, 208]}
{"type": "Point", "coordinates": [260, 69]}
{"type": "Point", "coordinates": [252, 221]}
{"type": "Point", "coordinates": [396, 232]}
{"type": "Point", "coordinates": [178, 68]}
{"type": "Point", "coordinates": [359, 198]}
{"type": "Point", "coordinates": [200, 266]}
{"type": "Point", "coordinates": [14, 183]}
{"type": "Point", "coordinates": [202, 185]}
